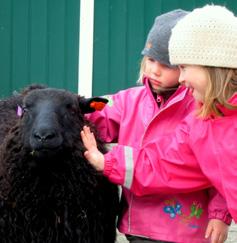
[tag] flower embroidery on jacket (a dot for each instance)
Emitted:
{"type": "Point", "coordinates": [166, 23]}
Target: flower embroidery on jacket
{"type": "Point", "coordinates": [173, 209]}
{"type": "Point", "coordinates": [196, 210]}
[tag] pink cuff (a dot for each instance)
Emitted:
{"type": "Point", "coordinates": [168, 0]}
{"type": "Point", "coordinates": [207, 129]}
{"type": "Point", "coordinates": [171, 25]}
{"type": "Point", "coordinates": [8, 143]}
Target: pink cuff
{"type": "Point", "coordinates": [108, 164]}
{"type": "Point", "coordinates": [225, 217]}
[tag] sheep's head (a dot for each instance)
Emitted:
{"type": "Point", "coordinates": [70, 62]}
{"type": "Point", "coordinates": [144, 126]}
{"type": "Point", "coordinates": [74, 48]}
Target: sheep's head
{"type": "Point", "coordinates": [52, 120]}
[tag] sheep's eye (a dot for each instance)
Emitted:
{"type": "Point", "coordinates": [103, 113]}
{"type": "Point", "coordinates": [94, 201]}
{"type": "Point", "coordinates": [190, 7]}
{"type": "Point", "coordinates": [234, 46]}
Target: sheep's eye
{"type": "Point", "coordinates": [24, 109]}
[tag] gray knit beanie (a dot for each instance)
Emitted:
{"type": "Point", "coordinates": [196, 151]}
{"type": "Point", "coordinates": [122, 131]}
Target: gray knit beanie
{"type": "Point", "coordinates": [156, 45]}
{"type": "Point", "coordinates": [207, 36]}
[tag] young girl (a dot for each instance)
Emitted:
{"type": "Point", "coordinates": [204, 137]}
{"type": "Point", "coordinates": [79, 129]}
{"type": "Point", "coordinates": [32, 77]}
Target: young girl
{"type": "Point", "coordinates": [202, 151]}
{"type": "Point", "coordinates": [138, 116]}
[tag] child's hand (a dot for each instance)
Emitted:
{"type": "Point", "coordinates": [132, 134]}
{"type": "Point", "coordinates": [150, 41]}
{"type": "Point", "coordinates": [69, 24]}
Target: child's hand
{"type": "Point", "coordinates": [217, 231]}
{"type": "Point", "coordinates": [93, 155]}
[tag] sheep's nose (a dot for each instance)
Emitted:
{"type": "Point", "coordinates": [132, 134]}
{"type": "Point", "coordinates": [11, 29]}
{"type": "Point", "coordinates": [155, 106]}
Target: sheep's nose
{"type": "Point", "coordinates": [45, 138]}
{"type": "Point", "coordinates": [44, 135]}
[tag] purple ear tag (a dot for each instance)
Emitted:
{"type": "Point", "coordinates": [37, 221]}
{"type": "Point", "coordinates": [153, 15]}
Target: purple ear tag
{"type": "Point", "coordinates": [19, 111]}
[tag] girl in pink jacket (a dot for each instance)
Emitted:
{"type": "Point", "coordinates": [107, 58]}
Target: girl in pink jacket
{"type": "Point", "coordinates": [202, 151]}
{"type": "Point", "coordinates": [137, 116]}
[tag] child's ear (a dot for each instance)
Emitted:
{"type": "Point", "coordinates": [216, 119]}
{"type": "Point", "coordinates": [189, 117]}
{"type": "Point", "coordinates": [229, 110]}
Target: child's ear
{"type": "Point", "coordinates": [89, 105]}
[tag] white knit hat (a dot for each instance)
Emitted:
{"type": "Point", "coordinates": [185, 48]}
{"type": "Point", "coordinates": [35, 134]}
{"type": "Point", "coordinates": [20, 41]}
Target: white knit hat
{"type": "Point", "coordinates": [207, 36]}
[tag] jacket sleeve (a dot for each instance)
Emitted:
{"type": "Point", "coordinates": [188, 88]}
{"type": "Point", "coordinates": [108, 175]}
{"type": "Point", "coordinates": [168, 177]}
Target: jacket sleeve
{"type": "Point", "coordinates": [217, 207]}
{"type": "Point", "coordinates": [166, 165]}
{"type": "Point", "coordinates": [107, 120]}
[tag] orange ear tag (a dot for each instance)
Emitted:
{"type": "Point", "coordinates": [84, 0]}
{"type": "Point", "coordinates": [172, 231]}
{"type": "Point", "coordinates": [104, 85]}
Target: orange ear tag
{"type": "Point", "coordinates": [98, 106]}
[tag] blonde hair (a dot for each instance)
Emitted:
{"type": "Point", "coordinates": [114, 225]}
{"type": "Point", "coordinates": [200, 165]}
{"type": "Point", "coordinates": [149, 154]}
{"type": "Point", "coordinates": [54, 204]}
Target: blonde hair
{"type": "Point", "coordinates": [142, 70]}
{"type": "Point", "coordinates": [221, 87]}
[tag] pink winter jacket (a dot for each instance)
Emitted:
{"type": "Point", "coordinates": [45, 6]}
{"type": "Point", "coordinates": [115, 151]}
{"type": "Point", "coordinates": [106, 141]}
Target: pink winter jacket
{"type": "Point", "coordinates": [200, 153]}
{"type": "Point", "coordinates": [133, 118]}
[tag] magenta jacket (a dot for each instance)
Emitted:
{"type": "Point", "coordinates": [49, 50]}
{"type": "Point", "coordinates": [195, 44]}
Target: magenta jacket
{"type": "Point", "coordinates": [200, 153]}
{"type": "Point", "coordinates": [133, 118]}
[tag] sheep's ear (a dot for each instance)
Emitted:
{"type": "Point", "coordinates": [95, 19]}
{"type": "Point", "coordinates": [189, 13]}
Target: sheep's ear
{"type": "Point", "coordinates": [19, 111]}
{"type": "Point", "coordinates": [89, 105]}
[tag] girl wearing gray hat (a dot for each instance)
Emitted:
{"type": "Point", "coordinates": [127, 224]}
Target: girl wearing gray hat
{"type": "Point", "coordinates": [138, 116]}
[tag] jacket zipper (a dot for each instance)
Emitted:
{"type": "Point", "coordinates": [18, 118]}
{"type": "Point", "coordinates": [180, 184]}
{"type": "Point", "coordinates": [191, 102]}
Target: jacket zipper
{"type": "Point", "coordinates": [160, 111]}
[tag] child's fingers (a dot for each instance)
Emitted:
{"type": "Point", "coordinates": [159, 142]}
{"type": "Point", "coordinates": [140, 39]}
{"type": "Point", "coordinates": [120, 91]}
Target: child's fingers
{"type": "Point", "coordinates": [208, 231]}
{"type": "Point", "coordinates": [87, 133]}
{"type": "Point", "coordinates": [222, 238]}
{"type": "Point", "coordinates": [88, 138]}
{"type": "Point", "coordinates": [215, 238]}
{"type": "Point", "coordinates": [87, 130]}
{"type": "Point", "coordinates": [85, 139]}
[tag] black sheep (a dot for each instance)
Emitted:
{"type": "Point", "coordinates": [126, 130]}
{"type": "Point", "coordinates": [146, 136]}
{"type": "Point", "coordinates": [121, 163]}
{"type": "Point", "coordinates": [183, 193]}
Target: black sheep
{"type": "Point", "coordinates": [49, 193]}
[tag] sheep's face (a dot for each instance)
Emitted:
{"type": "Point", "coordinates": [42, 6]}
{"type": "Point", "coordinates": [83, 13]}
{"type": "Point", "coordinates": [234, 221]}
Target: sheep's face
{"type": "Point", "coordinates": [50, 120]}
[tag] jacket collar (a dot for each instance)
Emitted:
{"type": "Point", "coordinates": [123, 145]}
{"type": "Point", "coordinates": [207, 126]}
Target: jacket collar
{"type": "Point", "coordinates": [178, 95]}
{"type": "Point", "coordinates": [226, 111]}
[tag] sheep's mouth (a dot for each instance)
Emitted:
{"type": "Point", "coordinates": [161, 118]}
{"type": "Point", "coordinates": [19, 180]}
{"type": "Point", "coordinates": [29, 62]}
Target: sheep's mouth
{"type": "Point", "coordinates": [46, 152]}
{"type": "Point", "coordinates": [45, 145]}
